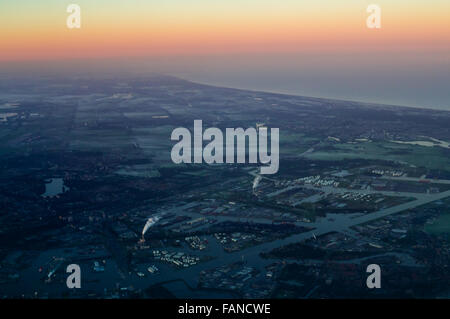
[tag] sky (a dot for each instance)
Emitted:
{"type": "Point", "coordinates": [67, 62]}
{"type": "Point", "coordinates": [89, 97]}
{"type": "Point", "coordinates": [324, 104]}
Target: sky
{"type": "Point", "coordinates": [320, 48]}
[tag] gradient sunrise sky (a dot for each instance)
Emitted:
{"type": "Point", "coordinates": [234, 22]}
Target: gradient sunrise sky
{"type": "Point", "coordinates": [315, 37]}
{"type": "Point", "coordinates": [33, 30]}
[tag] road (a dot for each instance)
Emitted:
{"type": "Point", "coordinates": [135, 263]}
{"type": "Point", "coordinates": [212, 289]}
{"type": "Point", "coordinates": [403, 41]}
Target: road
{"type": "Point", "coordinates": [417, 179]}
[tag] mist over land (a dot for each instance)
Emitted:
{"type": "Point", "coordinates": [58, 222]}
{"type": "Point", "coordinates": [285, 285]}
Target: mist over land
{"type": "Point", "coordinates": [401, 78]}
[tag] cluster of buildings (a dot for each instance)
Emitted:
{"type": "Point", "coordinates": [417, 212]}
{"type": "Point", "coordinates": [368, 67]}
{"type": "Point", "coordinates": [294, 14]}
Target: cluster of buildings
{"type": "Point", "coordinates": [238, 277]}
{"type": "Point", "coordinates": [387, 172]}
{"type": "Point", "coordinates": [210, 209]}
{"type": "Point", "coordinates": [179, 259]}
{"type": "Point", "coordinates": [196, 243]}
{"type": "Point", "coordinates": [237, 241]}
{"type": "Point", "coordinates": [317, 181]}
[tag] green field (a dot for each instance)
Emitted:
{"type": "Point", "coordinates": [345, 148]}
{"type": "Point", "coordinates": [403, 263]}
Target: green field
{"type": "Point", "coordinates": [421, 156]}
{"type": "Point", "coordinates": [293, 144]}
{"type": "Point", "coordinates": [440, 225]}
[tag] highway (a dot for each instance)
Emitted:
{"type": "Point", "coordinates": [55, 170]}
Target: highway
{"type": "Point", "coordinates": [417, 179]}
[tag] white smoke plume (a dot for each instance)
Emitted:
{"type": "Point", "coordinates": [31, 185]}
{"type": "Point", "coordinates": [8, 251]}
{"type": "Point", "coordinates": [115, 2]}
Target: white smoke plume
{"type": "Point", "coordinates": [150, 222]}
{"type": "Point", "coordinates": [256, 181]}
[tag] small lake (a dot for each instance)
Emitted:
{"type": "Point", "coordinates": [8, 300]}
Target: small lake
{"type": "Point", "coordinates": [54, 186]}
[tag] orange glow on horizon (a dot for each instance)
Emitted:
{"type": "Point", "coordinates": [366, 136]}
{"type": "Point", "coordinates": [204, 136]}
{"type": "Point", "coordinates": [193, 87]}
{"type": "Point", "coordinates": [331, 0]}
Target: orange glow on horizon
{"type": "Point", "coordinates": [133, 33]}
